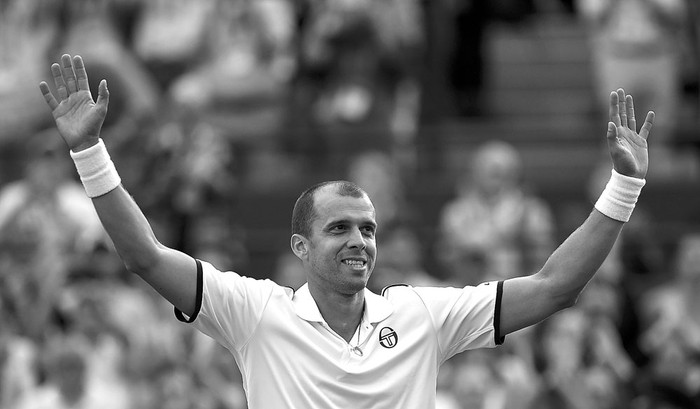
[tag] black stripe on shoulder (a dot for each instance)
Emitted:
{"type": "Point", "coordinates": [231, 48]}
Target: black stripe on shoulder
{"type": "Point", "coordinates": [392, 285]}
{"type": "Point", "coordinates": [198, 302]}
{"type": "Point", "coordinates": [497, 315]}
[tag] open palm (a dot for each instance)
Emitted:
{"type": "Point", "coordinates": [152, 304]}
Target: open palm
{"type": "Point", "coordinates": [628, 149]}
{"type": "Point", "coordinates": [78, 118]}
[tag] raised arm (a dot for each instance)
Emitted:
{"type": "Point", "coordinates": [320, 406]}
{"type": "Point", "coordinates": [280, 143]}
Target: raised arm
{"type": "Point", "coordinates": [79, 120]}
{"type": "Point", "coordinates": [528, 300]}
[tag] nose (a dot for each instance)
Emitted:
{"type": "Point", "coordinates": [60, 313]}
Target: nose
{"type": "Point", "coordinates": [357, 240]}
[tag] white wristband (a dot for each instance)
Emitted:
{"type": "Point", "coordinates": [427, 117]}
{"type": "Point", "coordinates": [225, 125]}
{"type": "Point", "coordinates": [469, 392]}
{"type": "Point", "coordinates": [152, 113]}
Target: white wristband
{"type": "Point", "coordinates": [619, 197]}
{"type": "Point", "coordinates": [96, 170]}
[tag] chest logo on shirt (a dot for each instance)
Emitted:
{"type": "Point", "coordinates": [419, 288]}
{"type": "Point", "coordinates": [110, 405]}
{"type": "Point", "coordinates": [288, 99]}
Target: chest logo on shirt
{"type": "Point", "coordinates": [388, 337]}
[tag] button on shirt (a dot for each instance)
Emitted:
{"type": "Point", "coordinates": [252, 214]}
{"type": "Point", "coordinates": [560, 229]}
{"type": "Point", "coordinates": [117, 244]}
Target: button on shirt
{"type": "Point", "coordinates": [290, 358]}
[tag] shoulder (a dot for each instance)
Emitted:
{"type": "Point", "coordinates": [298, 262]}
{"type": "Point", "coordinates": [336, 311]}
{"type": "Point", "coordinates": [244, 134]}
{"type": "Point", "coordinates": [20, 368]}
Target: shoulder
{"type": "Point", "coordinates": [404, 297]}
{"type": "Point", "coordinates": [404, 294]}
{"type": "Point", "coordinates": [432, 296]}
{"type": "Point", "coordinates": [392, 288]}
{"type": "Point", "coordinates": [215, 277]}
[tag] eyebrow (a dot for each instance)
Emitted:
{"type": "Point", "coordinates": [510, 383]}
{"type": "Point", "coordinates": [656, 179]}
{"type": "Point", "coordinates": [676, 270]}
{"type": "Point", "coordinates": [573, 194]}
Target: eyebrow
{"type": "Point", "coordinates": [350, 221]}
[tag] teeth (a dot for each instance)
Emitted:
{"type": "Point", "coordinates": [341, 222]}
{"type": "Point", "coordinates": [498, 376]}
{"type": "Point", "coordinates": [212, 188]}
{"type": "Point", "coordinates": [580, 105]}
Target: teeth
{"type": "Point", "coordinates": [354, 262]}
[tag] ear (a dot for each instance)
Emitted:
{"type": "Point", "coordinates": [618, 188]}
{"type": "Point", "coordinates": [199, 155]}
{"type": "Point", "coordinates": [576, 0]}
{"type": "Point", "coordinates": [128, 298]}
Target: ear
{"type": "Point", "coordinates": [299, 246]}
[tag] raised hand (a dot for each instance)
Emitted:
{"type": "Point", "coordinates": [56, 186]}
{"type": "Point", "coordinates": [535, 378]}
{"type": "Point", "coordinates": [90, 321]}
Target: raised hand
{"type": "Point", "coordinates": [78, 118]}
{"type": "Point", "coordinates": [628, 148]}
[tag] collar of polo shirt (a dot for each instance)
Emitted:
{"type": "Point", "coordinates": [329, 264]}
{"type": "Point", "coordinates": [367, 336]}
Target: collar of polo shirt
{"type": "Point", "coordinates": [377, 308]}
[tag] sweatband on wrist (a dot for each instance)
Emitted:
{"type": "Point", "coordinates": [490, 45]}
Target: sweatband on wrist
{"type": "Point", "coordinates": [96, 170]}
{"type": "Point", "coordinates": [620, 196]}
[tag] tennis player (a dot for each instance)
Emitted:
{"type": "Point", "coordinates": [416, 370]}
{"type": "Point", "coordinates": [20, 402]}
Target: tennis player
{"type": "Point", "coordinates": [333, 344]}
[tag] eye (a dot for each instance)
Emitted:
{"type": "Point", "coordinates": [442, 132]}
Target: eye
{"type": "Point", "coordinates": [368, 230]}
{"type": "Point", "coordinates": [339, 228]}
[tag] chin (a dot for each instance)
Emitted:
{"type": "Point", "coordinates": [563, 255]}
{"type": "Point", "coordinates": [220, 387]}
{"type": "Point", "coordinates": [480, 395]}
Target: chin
{"type": "Point", "coordinates": [354, 286]}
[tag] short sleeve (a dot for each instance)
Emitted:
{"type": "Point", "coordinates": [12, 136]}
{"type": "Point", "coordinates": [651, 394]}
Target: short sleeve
{"type": "Point", "coordinates": [230, 305]}
{"type": "Point", "coordinates": [465, 318]}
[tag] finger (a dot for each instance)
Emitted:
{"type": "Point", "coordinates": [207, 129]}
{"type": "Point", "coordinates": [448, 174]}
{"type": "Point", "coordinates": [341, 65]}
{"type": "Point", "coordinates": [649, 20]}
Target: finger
{"type": "Point", "coordinates": [69, 74]}
{"type": "Point", "coordinates": [612, 131]}
{"type": "Point", "coordinates": [648, 123]}
{"type": "Point", "coordinates": [48, 96]}
{"type": "Point", "coordinates": [81, 74]}
{"type": "Point", "coordinates": [623, 107]}
{"type": "Point", "coordinates": [102, 95]}
{"type": "Point", "coordinates": [614, 108]}
{"type": "Point", "coordinates": [631, 120]}
{"type": "Point", "coordinates": [58, 80]}
{"type": "Point", "coordinates": [614, 142]}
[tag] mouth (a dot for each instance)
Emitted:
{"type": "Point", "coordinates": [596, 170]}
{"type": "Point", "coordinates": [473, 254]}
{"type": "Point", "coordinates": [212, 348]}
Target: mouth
{"type": "Point", "coordinates": [355, 264]}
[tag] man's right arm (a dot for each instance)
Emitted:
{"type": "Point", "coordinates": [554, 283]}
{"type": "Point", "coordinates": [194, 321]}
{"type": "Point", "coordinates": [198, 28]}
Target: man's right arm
{"type": "Point", "coordinates": [79, 120]}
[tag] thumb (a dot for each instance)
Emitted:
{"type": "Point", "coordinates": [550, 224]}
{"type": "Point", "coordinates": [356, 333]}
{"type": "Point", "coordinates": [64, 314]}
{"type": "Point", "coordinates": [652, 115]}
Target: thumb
{"type": "Point", "coordinates": [102, 95]}
{"type": "Point", "coordinates": [612, 131]}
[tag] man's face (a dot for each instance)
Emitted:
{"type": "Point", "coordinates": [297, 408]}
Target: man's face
{"type": "Point", "coordinates": [342, 247]}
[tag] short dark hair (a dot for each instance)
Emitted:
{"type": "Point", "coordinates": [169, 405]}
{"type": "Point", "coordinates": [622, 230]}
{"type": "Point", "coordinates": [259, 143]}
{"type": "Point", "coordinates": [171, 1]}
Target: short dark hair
{"type": "Point", "coordinates": [305, 211]}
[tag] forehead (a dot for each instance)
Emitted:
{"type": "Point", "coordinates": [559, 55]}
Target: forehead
{"type": "Point", "coordinates": [331, 206]}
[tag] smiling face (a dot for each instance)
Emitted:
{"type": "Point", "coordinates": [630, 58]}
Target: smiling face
{"type": "Point", "coordinates": [340, 252]}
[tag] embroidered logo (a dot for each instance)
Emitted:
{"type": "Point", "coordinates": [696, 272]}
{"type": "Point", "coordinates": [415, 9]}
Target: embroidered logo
{"type": "Point", "coordinates": [388, 337]}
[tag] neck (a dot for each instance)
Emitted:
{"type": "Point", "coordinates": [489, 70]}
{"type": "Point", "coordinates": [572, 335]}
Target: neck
{"type": "Point", "coordinates": [341, 312]}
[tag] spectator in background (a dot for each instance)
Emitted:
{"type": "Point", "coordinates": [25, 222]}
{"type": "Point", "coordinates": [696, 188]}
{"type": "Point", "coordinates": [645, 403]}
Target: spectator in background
{"type": "Point", "coordinates": [358, 66]}
{"type": "Point", "coordinates": [463, 25]}
{"type": "Point", "coordinates": [498, 379]}
{"type": "Point", "coordinates": [579, 358]}
{"type": "Point", "coordinates": [68, 383]}
{"type": "Point", "coordinates": [65, 382]}
{"type": "Point", "coordinates": [401, 260]}
{"type": "Point", "coordinates": [466, 62]}
{"type": "Point", "coordinates": [28, 30]}
{"type": "Point", "coordinates": [638, 45]}
{"type": "Point", "coordinates": [671, 317]}
{"type": "Point", "coordinates": [472, 384]}
{"type": "Point", "coordinates": [239, 60]}
{"type": "Point", "coordinates": [17, 355]}
{"type": "Point", "coordinates": [289, 271]}
{"type": "Point", "coordinates": [191, 164]}
{"type": "Point", "coordinates": [47, 230]}
{"type": "Point", "coordinates": [228, 71]}
{"type": "Point", "coordinates": [692, 57]}
{"type": "Point", "coordinates": [494, 228]}
{"type": "Point", "coordinates": [380, 176]}
{"type": "Point", "coordinates": [169, 36]}
{"type": "Point", "coordinates": [124, 359]}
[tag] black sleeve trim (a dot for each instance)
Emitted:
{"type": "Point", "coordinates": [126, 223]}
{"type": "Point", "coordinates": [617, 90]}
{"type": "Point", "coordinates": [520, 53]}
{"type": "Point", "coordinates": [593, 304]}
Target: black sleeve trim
{"type": "Point", "coordinates": [497, 315]}
{"type": "Point", "coordinates": [198, 302]}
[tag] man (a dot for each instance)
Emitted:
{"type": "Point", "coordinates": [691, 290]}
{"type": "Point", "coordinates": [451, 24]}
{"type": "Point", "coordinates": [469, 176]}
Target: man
{"type": "Point", "coordinates": [333, 343]}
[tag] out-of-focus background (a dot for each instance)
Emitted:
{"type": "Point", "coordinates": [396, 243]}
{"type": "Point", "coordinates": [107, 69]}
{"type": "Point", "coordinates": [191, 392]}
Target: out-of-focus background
{"type": "Point", "coordinates": [476, 126]}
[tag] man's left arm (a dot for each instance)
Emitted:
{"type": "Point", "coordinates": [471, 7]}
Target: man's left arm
{"type": "Point", "coordinates": [528, 300]}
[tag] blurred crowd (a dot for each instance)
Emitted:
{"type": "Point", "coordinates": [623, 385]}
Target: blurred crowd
{"type": "Point", "coordinates": [208, 96]}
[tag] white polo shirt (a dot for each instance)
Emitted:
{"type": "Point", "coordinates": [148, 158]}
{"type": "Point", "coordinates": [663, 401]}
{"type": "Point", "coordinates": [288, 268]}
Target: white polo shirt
{"type": "Point", "coordinates": [290, 358]}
